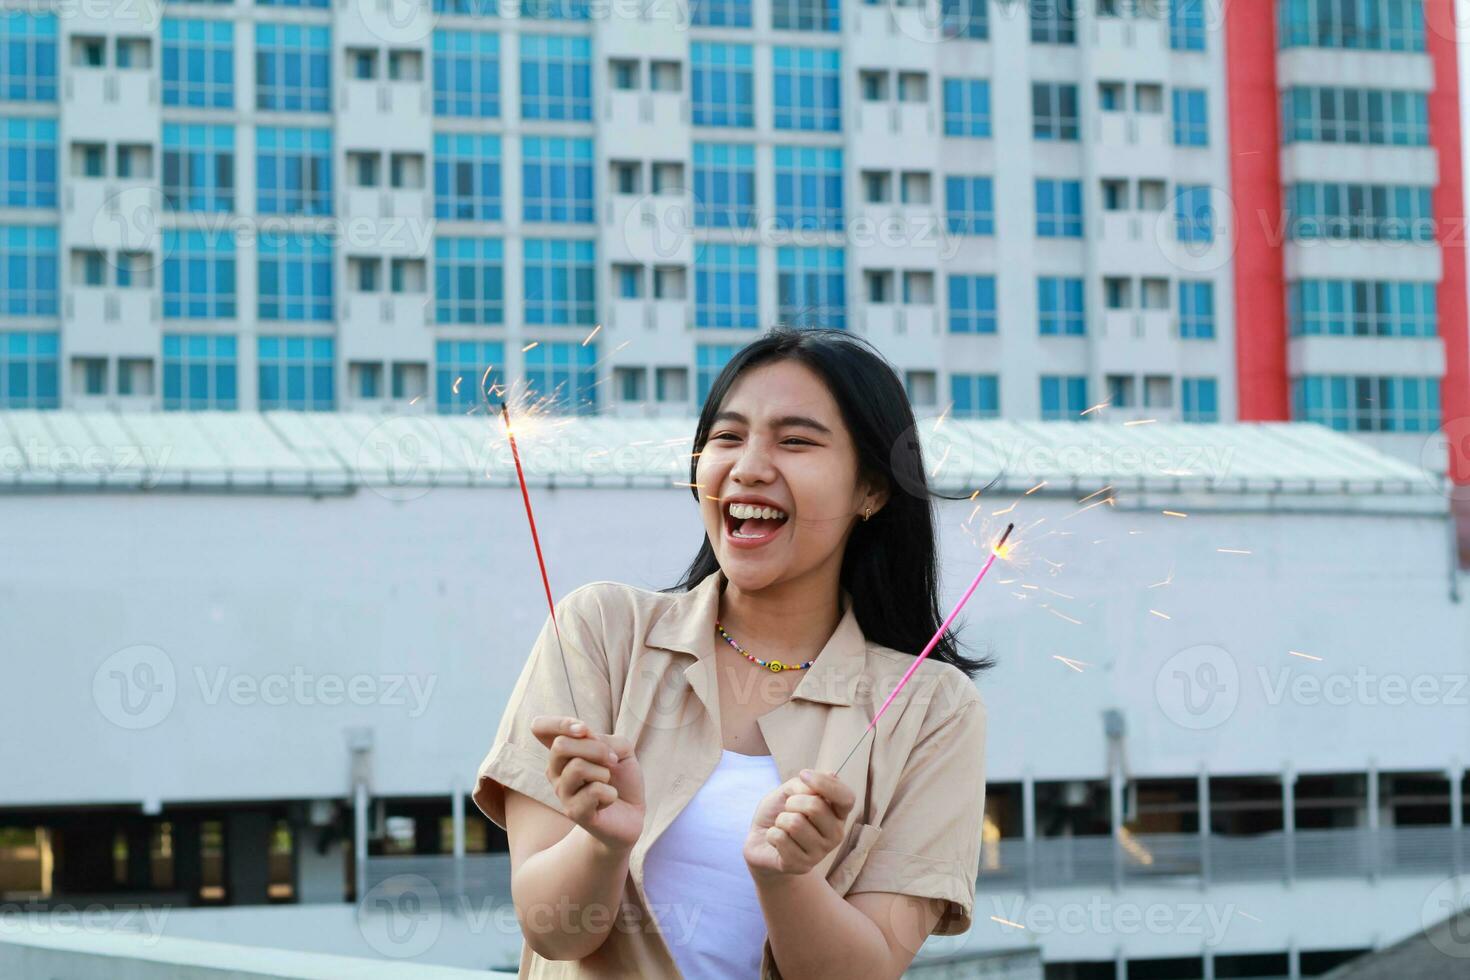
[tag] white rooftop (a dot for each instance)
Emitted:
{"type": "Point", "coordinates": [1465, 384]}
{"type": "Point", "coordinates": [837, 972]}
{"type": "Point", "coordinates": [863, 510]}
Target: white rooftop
{"type": "Point", "coordinates": [334, 452]}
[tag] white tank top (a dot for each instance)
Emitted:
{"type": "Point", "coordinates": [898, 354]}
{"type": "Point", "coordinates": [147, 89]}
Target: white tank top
{"type": "Point", "coordinates": [695, 875]}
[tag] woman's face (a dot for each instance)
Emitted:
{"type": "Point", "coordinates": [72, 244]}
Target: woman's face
{"type": "Point", "coordinates": [779, 436]}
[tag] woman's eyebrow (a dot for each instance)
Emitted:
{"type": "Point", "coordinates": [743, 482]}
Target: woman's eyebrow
{"type": "Point", "coordinates": [785, 421]}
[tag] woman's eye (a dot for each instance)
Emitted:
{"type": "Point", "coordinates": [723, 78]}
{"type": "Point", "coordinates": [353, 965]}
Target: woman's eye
{"type": "Point", "coordinates": [800, 442]}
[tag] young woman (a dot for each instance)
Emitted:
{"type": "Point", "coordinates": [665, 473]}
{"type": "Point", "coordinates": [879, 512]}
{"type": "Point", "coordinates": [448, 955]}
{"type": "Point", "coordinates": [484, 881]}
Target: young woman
{"type": "Point", "coordinates": [687, 818]}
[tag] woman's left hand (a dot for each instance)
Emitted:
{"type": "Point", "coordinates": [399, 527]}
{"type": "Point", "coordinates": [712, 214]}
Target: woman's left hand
{"type": "Point", "coordinates": [797, 825]}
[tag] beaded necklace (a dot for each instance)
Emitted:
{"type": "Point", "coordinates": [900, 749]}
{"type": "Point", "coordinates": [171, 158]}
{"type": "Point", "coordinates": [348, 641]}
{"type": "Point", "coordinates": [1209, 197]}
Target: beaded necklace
{"type": "Point", "coordinates": [774, 666]}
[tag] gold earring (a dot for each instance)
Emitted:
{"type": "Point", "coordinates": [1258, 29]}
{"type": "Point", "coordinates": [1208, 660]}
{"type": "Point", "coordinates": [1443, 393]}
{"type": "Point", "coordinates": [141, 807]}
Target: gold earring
{"type": "Point", "coordinates": [867, 513]}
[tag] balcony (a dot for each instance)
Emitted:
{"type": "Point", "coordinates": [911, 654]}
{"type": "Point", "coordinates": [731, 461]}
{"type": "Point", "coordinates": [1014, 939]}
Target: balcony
{"type": "Point", "coordinates": [375, 326]}
{"type": "Point", "coordinates": [388, 115]}
{"type": "Point", "coordinates": [910, 336]}
{"type": "Point", "coordinates": [653, 229]}
{"type": "Point", "coordinates": [666, 317]}
{"type": "Point", "coordinates": [1134, 341]}
{"type": "Point", "coordinates": [109, 104]}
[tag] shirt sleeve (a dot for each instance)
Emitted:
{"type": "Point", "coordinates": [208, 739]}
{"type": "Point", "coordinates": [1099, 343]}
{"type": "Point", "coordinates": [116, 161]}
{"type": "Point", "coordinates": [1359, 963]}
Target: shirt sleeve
{"type": "Point", "coordinates": [517, 760]}
{"type": "Point", "coordinates": [929, 843]}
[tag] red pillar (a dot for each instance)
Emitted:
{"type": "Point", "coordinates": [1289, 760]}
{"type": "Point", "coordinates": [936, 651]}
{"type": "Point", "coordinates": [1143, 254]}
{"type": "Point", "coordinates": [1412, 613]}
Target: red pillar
{"type": "Point", "coordinates": [1255, 185]}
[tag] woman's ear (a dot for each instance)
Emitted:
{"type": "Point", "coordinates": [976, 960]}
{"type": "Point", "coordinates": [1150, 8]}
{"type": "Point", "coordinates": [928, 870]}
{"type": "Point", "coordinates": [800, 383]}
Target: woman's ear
{"type": "Point", "coordinates": [878, 493]}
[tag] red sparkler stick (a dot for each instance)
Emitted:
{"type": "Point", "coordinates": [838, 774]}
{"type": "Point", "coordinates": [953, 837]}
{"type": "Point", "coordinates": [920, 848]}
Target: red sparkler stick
{"type": "Point", "coordinates": [536, 540]}
{"type": "Point", "coordinates": [994, 552]}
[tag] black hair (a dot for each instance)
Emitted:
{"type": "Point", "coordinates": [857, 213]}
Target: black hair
{"type": "Point", "coordinates": [890, 565]}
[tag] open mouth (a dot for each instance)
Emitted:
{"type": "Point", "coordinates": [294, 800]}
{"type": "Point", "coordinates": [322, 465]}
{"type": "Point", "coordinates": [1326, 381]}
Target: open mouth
{"type": "Point", "coordinates": [752, 523]}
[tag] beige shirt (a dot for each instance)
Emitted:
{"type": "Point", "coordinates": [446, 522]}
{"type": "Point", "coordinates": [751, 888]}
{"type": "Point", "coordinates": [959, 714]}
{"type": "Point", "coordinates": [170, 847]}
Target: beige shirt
{"type": "Point", "coordinates": [643, 665]}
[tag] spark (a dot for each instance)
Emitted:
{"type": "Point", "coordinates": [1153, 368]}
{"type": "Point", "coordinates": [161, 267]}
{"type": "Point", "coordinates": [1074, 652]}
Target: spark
{"type": "Point", "coordinates": [1094, 494]}
{"type": "Point", "coordinates": [1167, 579]}
{"type": "Point", "coordinates": [1308, 656]}
{"type": "Point", "coordinates": [975, 494]}
{"type": "Point", "coordinates": [455, 387]}
{"type": "Point", "coordinates": [1055, 592]}
{"type": "Point", "coordinates": [1161, 615]}
{"type": "Point", "coordinates": [1174, 513]}
{"type": "Point", "coordinates": [1007, 922]}
{"type": "Point", "coordinates": [1070, 662]}
{"type": "Point", "coordinates": [1247, 915]}
{"type": "Point", "coordinates": [1094, 408]}
{"type": "Point", "coordinates": [591, 335]}
{"type": "Point", "coordinates": [1232, 551]}
{"type": "Point", "coordinates": [1032, 587]}
{"type": "Point", "coordinates": [1032, 490]}
{"type": "Point", "coordinates": [1069, 619]}
{"type": "Point", "coordinates": [939, 419]}
{"type": "Point", "coordinates": [534, 343]}
{"type": "Point", "coordinates": [699, 486]}
{"type": "Point", "coordinates": [940, 464]}
{"type": "Point", "coordinates": [1140, 421]}
{"type": "Point", "coordinates": [1087, 508]}
{"type": "Point", "coordinates": [621, 346]}
{"type": "Point", "coordinates": [997, 513]}
{"type": "Point", "coordinates": [415, 399]}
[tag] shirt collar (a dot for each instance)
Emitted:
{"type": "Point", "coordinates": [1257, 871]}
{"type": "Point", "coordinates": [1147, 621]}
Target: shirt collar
{"type": "Point", "coordinates": [687, 625]}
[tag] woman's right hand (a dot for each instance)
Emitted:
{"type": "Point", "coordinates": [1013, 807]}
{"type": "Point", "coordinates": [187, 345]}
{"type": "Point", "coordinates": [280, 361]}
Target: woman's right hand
{"type": "Point", "coordinates": [596, 777]}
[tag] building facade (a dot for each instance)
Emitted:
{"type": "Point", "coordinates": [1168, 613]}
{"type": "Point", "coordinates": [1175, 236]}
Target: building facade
{"type": "Point", "coordinates": [1185, 210]}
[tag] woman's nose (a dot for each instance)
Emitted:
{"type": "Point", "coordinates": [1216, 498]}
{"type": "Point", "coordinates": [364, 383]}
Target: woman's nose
{"type": "Point", "coordinates": [753, 462]}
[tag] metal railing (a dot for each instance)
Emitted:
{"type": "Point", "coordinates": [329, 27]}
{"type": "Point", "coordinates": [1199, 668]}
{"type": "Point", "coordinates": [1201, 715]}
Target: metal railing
{"type": "Point", "coordinates": [1065, 861]}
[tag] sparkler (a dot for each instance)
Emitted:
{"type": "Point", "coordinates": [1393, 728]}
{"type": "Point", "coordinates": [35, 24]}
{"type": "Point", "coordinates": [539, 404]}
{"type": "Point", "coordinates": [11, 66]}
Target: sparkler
{"type": "Point", "coordinates": [536, 540]}
{"type": "Point", "coordinates": [994, 553]}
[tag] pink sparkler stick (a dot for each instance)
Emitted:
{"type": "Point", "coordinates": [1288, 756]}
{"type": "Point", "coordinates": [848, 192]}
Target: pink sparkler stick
{"type": "Point", "coordinates": [994, 552]}
{"type": "Point", "coordinates": [536, 540]}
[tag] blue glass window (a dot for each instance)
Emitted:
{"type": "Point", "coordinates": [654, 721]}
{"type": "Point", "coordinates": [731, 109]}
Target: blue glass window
{"type": "Point", "coordinates": [556, 77]}
{"type": "Point", "coordinates": [969, 206]}
{"type": "Point", "coordinates": [293, 68]}
{"type": "Point", "coordinates": [974, 396]}
{"type": "Point", "coordinates": [27, 57]}
{"type": "Point", "coordinates": [199, 63]}
{"type": "Point", "coordinates": [1058, 208]}
{"type": "Point", "coordinates": [556, 179]}
{"type": "Point", "coordinates": [966, 107]}
{"type": "Point", "coordinates": [469, 280]}
{"type": "Point", "coordinates": [1371, 212]}
{"type": "Point", "coordinates": [564, 373]}
{"type": "Point", "coordinates": [199, 371]}
{"type": "Point", "coordinates": [1187, 25]}
{"type": "Point", "coordinates": [1194, 215]}
{"type": "Point", "coordinates": [466, 74]}
{"type": "Point", "coordinates": [725, 293]}
{"type": "Point", "coordinates": [1063, 396]}
{"type": "Point", "coordinates": [972, 304]}
{"type": "Point", "coordinates": [709, 361]}
{"type": "Point", "coordinates": [30, 369]}
{"type": "Point", "coordinates": [467, 176]}
{"type": "Point", "coordinates": [1054, 21]}
{"type": "Point", "coordinates": [198, 275]}
{"type": "Point", "coordinates": [560, 281]}
{"type": "Point", "coordinates": [1061, 306]}
{"type": "Point", "coordinates": [297, 373]}
{"type": "Point", "coordinates": [807, 85]}
{"type": "Point", "coordinates": [806, 15]}
{"type": "Point", "coordinates": [295, 277]}
{"type": "Point", "coordinates": [1361, 25]}
{"type": "Point", "coordinates": [1199, 400]}
{"type": "Point", "coordinates": [964, 19]}
{"type": "Point", "coordinates": [293, 171]}
{"type": "Point", "coordinates": [1191, 117]}
{"type": "Point", "coordinates": [198, 167]}
{"type": "Point", "coordinates": [468, 8]}
{"type": "Point", "coordinates": [719, 13]}
{"type": "Point", "coordinates": [1377, 117]}
{"type": "Point", "coordinates": [722, 84]}
{"type": "Point", "coordinates": [1354, 403]}
{"type": "Point", "coordinates": [28, 260]}
{"type": "Point", "coordinates": [319, 4]}
{"type": "Point", "coordinates": [811, 287]}
{"type": "Point", "coordinates": [1054, 111]}
{"type": "Point", "coordinates": [27, 163]}
{"type": "Point", "coordinates": [466, 373]}
{"type": "Point", "coordinates": [556, 9]}
{"type": "Point", "coordinates": [724, 185]}
{"type": "Point", "coordinates": [808, 188]}
{"type": "Point", "coordinates": [1362, 308]}
{"type": "Point", "coordinates": [1196, 309]}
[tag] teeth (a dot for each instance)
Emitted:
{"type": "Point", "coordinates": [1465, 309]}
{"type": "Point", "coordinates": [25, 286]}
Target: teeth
{"type": "Point", "coordinates": [745, 511]}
